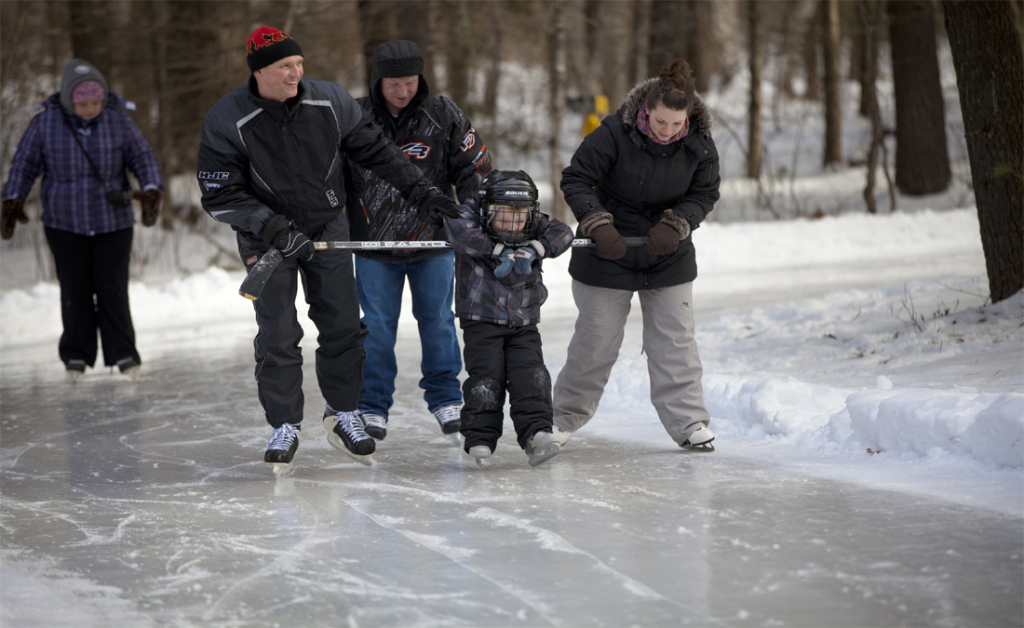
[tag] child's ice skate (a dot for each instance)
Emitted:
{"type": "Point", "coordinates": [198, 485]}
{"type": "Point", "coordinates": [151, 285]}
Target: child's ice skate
{"type": "Point", "coordinates": [541, 447]}
{"type": "Point", "coordinates": [480, 453]}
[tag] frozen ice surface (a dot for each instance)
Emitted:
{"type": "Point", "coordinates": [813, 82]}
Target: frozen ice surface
{"type": "Point", "coordinates": [148, 504]}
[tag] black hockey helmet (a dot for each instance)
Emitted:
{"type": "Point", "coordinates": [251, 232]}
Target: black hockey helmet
{"type": "Point", "coordinates": [508, 206]}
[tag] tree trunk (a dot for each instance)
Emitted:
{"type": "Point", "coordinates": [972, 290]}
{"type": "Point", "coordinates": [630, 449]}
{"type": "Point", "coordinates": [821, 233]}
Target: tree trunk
{"type": "Point", "coordinates": [754, 45]}
{"type": "Point", "coordinates": [492, 77]}
{"type": "Point", "coordinates": [985, 39]}
{"type": "Point", "coordinates": [666, 44]}
{"type": "Point", "coordinates": [376, 20]}
{"type": "Point", "coordinates": [458, 52]}
{"type": "Point", "coordinates": [922, 159]}
{"type": "Point", "coordinates": [640, 34]}
{"type": "Point", "coordinates": [556, 104]}
{"type": "Point", "coordinates": [812, 40]}
{"type": "Point", "coordinates": [870, 11]}
{"type": "Point", "coordinates": [833, 104]}
{"type": "Point", "coordinates": [698, 17]}
{"type": "Point", "coordinates": [413, 23]}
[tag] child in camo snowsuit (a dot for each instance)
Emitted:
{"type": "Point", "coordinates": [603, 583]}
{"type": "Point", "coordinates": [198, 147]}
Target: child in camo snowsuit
{"type": "Point", "coordinates": [498, 252]}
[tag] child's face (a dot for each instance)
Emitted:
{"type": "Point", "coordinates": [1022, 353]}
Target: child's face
{"type": "Point", "coordinates": [509, 218]}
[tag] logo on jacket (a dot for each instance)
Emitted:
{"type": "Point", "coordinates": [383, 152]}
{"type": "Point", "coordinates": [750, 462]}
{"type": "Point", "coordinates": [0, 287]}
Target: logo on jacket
{"type": "Point", "coordinates": [214, 176]}
{"type": "Point", "coordinates": [331, 198]}
{"type": "Point", "coordinates": [469, 141]}
{"type": "Point", "coordinates": [416, 150]}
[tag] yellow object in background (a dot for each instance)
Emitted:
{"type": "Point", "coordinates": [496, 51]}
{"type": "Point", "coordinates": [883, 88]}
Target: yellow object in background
{"type": "Point", "coordinates": [593, 119]}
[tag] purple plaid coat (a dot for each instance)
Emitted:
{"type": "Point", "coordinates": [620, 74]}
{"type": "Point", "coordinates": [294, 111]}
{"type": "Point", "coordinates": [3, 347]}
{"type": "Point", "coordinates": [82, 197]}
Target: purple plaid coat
{"type": "Point", "coordinates": [513, 300]}
{"type": "Point", "coordinates": [73, 197]}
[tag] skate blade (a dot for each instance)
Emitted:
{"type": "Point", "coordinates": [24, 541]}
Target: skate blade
{"type": "Point", "coordinates": [335, 441]}
{"type": "Point", "coordinates": [282, 469]}
{"type": "Point", "coordinates": [74, 376]}
{"type": "Point", "coordinates": [703, 447]}
{"type": "Point", "coordinates": [456, 439]}
{"type": "Point", "coordinates": [543, 454]}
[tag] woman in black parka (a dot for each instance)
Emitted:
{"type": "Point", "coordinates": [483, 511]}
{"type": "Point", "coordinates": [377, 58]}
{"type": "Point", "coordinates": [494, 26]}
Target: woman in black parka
{"type": "Point", "coordinates": [649, 170]}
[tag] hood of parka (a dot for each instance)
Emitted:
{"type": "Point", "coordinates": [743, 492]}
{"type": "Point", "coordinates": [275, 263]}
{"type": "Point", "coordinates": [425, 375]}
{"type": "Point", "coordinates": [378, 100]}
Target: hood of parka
{"type": "Point", "coordinates": [699, 114]}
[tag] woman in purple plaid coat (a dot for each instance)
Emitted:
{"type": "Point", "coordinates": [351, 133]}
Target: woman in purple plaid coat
{"type": "Point", "coordinates": [81, 141]}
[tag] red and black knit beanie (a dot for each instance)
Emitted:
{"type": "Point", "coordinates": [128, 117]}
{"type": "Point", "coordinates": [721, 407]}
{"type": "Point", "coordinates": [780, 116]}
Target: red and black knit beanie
{"type": "Point", "coordinates": [268, 45]}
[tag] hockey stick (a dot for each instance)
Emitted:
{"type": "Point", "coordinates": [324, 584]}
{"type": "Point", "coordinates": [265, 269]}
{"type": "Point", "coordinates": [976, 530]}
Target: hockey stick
{"type": "Point", "coordinates": [253, 284]}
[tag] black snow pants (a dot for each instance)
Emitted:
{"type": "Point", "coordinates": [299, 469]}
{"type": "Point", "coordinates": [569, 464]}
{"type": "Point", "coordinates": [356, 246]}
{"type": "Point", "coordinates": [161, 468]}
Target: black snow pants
{"type": "Point", "coordinates": [329, 283]}
{"type": "Point", "coordinates": [93, 275]}
{"type": "Point", "coordinates": [499, 358]}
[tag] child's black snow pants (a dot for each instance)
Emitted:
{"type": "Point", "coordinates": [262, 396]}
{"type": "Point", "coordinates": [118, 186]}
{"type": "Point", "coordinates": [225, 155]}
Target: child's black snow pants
{"type": "Point", "coordinates": [499, 358]}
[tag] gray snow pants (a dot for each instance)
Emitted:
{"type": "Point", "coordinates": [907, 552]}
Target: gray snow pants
{"type": "Point", "coordinates": [668, 340]}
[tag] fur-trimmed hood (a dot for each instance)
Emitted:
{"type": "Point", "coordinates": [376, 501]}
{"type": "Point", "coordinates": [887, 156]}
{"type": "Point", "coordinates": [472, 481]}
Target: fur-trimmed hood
{"type": "Point", "coordinates": [699, 114]}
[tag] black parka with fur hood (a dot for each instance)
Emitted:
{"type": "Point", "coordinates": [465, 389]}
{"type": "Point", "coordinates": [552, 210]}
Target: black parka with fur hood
{"type": "Point", "coordinates": [618, 170]}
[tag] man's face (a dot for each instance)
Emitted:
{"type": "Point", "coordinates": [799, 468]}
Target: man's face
{"type": "Point", "coordinates": [508, 218]}
{"type": "Point", "coordinates": [280, 80]}
{"type": "Point", "coordinates": [398, 92]}
{"type": "Point", "coordinates": [88, 109]}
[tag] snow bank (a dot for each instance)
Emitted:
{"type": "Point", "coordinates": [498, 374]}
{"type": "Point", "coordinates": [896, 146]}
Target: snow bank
{"type": "Point", "coordinates": [987, 427]}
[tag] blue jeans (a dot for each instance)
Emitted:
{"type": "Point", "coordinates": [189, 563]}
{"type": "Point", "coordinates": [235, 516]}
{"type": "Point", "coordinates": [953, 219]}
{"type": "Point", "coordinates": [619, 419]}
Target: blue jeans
{"type": "Point", "coordinates": [432, 282]}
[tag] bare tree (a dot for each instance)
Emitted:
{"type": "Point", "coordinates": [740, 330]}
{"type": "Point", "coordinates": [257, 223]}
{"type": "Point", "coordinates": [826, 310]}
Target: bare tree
{"type": "Point", "coordinates": [833, 95]}
{"type": "Point", "coordinates": [755, 44]}
{"type": "Point", "coordinates": [492, 75]}
{"type": "Point", "coordinates": [871, 17]}
{"type": "Point", "coordinates": [922, 158]}
{"type": "Point", "coordinates": [556, 102]}
{"type": "Point", "coordinates": [988, 54]}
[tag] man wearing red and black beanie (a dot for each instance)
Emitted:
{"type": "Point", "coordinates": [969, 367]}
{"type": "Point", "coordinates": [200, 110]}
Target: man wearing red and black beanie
{"type": "Point", "coordinates": [270, 158]}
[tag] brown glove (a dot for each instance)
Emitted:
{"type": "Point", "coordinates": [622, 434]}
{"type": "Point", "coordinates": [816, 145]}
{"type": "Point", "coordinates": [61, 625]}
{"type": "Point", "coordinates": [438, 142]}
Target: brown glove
{"type": "Point", "coordinates": [608, 241]}
{"type": "Point", "coordinates": [664, 237]}
{"type": "Point", "coordinates": [150, 201]}
{"type": "Point", "coordinates": [13, 210]}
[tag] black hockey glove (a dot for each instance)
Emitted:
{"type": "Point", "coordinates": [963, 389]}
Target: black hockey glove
{"type": "Point", "coordinates": [434, 206]}
{"type": "Point", "coordinates": [279, 233]}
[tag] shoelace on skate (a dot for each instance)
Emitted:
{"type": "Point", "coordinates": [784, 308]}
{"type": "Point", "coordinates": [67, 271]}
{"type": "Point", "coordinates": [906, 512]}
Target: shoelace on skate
{"type": "Point", "coordinates": [447, 413]}
{"type": "Point", "coordinates": [283, 437]}
{"type": "Point", "coordinates": [352, 424]}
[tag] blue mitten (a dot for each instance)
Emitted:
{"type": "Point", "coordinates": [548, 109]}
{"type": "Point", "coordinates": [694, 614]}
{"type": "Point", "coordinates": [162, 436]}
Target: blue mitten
{"type": "Point", "coordinates": [524, 259]}
{"type": "Point", "coordinates": [507, 260]}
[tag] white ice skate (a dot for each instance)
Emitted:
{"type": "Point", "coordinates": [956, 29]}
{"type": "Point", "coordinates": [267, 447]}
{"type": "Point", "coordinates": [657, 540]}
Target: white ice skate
{"type": "Point", "coordinates": [700, 440]}
{"type": "Point", "coordinates": [346, 434]}
{"type": "Point", "coordinates": [281, 449]}
{"type": "Point", "coordinates": [480, 453]}
{"type": "Point", "coordinates": [561, 436]}
{"type": "Point", "coordinates": [541, 447]}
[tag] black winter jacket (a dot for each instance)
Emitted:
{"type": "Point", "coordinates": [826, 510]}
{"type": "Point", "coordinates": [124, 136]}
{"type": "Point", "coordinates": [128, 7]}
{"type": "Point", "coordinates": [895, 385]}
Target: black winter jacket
{"type": "Point", "coordinates": [261, 157]}
{"type": "Point", "coordinates": [617, 169]}
{"type": "Point", "coordinates": [437, 137]}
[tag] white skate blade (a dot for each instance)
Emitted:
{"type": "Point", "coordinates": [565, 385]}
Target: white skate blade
{"type": "Point", "coordinates": [335, 441]}
{"type": "Point", "coordinates": [482, 463]}
{"type": "Point", "coordinates": [282, 469]}
{"type": "Point", "coordinates": [455, 438]}
{"type": "Point", "coordinates": [74, 376]}
{"type": "Point", "coordinates": [543, 453]}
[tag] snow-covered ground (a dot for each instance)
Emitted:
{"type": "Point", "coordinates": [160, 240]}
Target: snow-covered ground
{"type": "Point", "coordinates": [857, 347]}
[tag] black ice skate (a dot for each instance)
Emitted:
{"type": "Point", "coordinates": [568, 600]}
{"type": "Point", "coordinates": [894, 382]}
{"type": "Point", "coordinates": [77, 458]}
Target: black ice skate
{"type": "Point", "coordinates": [346, 434]}
{"type": "Point", "coordinates": [450, 419]}
{"type": "Point", "coordinates": [541, 447]}
{"type": "Point", "coordinates": [700, 440]}
{"type": "Point", "coordinates": [281, 449]}
{"type": "Point", "coordinates": [375, 425]}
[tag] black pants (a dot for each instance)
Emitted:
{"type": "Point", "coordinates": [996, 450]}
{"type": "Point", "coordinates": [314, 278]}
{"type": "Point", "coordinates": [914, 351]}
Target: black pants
{"type": "Point", "coordinates": [329, 283]}
{"type": "Point", "coordinates": [499, 358]}
{"type": "Point", "coordinates": [93, 275]}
